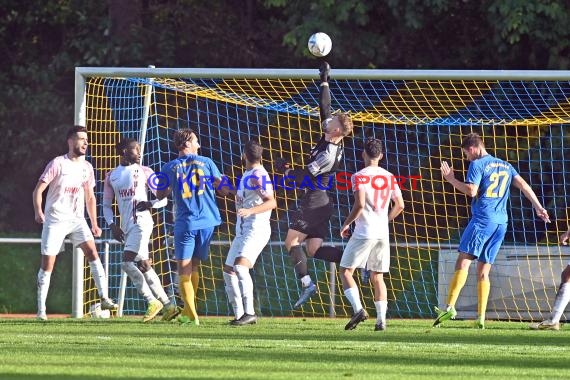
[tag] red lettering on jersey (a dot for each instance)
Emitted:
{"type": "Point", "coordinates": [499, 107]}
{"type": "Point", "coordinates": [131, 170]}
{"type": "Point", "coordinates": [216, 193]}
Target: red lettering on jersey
{"type": "Point", "coordinates": [71, 190]}
{"type": "Point", "coordinates": [130, 192]}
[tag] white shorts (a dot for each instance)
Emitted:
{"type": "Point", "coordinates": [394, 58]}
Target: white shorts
{"type": "Point", "coordinates": [54, 233]}
{"type": "Point", "coordinates": [248, 245]}
{"type": "Point", "coordinates": [372, 254]}
{"type": "Point", "coordinates": [137, 238]}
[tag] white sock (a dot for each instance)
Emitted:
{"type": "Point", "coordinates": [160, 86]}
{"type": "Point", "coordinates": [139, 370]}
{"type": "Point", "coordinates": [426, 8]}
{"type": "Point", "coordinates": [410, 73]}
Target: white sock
{"type": "Point", "coordinates": [381, 308]}
{"type": "Point", "coordinates": [234, 294]}
{"type": "Point", "coordinates": [246, 286]}
{"type": "Point", "coordinates": [137, 279]}
{"type": "Point", "coordinates": [43, 288]}
{"type": "Point", "coordinates": [306, 280]}
{"type": "Point", "coordinates": [353, 297]}
{"type": "Point", "coordinates": [561, 301]}
{"type": "Point", "coordinates": [100, 278]}
{"type": "Point", "coordinates": [156, 286]}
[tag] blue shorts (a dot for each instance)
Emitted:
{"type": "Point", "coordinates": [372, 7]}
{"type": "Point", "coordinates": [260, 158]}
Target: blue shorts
{"type": "Point", "coordinates": [192, 244]}
{"type": "Point", "coordinates": [482, 240]}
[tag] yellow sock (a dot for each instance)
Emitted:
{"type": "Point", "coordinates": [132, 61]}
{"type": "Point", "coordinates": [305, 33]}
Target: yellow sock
{"type": "Point", "coordinates": [483, 289]}
{"type": "Point", "coordinates": [187, 293]}
{"type": "Point", "coordinates": [181, 291]}
{"type": "Point", "coordinates": [195, 278]}
{"type": "Point", "coordinates": [455, 286]}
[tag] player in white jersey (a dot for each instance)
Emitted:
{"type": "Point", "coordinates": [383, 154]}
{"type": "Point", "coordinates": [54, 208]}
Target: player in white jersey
{"type": "Point", "coordinates": [254, 202]}
{"type": "Point", "coordinates": [128, 183]}
{"type": "Point", "coordinates": [369, 245]}
{"type": "Point", "coordinates": [562, 296]}
{"type": "Point", "coordinates": [71, 180]}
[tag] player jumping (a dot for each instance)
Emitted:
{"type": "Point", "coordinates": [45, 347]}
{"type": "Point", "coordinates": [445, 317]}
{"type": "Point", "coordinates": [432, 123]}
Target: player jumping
{"type": "Point", "coordinates": [310, 222]}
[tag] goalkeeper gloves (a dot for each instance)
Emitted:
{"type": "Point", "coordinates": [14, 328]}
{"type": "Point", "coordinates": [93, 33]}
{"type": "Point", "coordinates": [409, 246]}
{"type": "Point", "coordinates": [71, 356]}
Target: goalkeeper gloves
{"type": "Point", "coordinates": [324, 72]}
{"type": "Point", "coordinates": [281, 164]}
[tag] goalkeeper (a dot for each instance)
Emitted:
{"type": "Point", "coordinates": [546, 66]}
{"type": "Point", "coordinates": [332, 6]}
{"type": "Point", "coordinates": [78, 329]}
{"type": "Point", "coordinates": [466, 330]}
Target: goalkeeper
{"type": "Point", "coordinates": [310, 222]}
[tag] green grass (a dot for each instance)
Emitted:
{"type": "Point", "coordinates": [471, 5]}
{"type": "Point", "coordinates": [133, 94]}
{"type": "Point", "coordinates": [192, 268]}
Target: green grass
{"type": "Point", "coordinates": [278, 348]}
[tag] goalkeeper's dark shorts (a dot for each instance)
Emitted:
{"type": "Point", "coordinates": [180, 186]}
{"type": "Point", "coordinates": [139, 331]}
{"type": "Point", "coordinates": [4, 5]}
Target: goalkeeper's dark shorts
{"type": "Point", "coordinates": [312, 220]}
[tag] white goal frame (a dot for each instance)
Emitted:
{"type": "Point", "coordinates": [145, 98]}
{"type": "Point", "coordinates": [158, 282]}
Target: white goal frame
{"type": "Point", "coordinates": [83, 73]}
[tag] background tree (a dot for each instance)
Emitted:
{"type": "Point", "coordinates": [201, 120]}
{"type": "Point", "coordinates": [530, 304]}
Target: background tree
{"type": "Point", "coordinates": [43, 41]}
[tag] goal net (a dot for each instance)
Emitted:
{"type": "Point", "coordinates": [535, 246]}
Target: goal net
{"type": "Point", "coordinates": [421, 116]}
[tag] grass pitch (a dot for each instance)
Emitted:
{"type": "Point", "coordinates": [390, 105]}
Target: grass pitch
{"type": "Point", "coordinates": [278, 348]}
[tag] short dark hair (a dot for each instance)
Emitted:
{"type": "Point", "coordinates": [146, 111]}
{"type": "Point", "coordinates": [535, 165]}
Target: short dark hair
{"type": "Point", "coordinates": [253, 151]}
{"type": "Point", "coordinates": [472, 139]}
{"type": "Point", "coordinates": [373, 148]}
{"type": "Point", "coordinates": [181, 136]}
{"type": "Point", "coordinates": [124, 144]}
{"type": "Point", "coordinates": [71, 132]}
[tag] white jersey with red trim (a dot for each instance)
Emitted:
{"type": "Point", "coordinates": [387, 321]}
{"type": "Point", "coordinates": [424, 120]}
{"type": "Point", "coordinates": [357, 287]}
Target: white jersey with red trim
{"type": "Point", "coordinates": [128, 184]}
{"type": "Point", "coordinates": [254, 185]}
{"type": "Point", "coordinates": [380, 187]}
{"type": "Point", "coordinates": [67, 180]}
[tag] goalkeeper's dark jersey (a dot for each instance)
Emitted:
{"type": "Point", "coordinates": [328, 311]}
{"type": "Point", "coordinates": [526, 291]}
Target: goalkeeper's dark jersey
{"type": "Point", "coordinates": [324, 160]}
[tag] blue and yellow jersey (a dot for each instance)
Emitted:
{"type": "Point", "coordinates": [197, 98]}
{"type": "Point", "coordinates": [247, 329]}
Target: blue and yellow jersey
{"type": "Point", "coordinates": [494, 177]}
{"type": "Point", "coordinates": [191, 179]}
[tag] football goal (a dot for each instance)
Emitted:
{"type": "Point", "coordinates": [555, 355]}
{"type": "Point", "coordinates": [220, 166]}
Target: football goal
{"type": "Point", "coordinates": [421, 117]}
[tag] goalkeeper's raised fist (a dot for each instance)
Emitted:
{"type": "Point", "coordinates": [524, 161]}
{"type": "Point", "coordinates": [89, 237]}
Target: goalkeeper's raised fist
{"type": "Point", "coordinates": [281, 164]}
{"type": "Point", "coordinates": [325, 71]}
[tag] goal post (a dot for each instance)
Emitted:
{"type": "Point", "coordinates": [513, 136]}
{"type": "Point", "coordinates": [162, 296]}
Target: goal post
{"type": "Point", "coordinates": [420, 115]}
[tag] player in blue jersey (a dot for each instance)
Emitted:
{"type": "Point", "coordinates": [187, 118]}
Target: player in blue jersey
{"type": "Point", "coordinates": [487, 182]}
{"type": "Point", "coordinates": [192, 179]}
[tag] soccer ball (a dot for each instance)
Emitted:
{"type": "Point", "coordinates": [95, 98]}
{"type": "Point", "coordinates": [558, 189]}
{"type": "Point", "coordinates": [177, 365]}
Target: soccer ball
{"type": "Point", "coordinates": [96, 311]}
{"type": "Point", "coordinates": [320, 44]}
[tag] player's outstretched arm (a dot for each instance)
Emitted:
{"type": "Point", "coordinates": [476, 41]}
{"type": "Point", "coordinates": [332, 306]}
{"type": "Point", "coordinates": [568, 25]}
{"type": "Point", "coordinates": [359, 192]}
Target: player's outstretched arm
{"type": "Point", "coordinates": [325, 93]}
{"type": "Point", "coordinates": [525, 188]}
